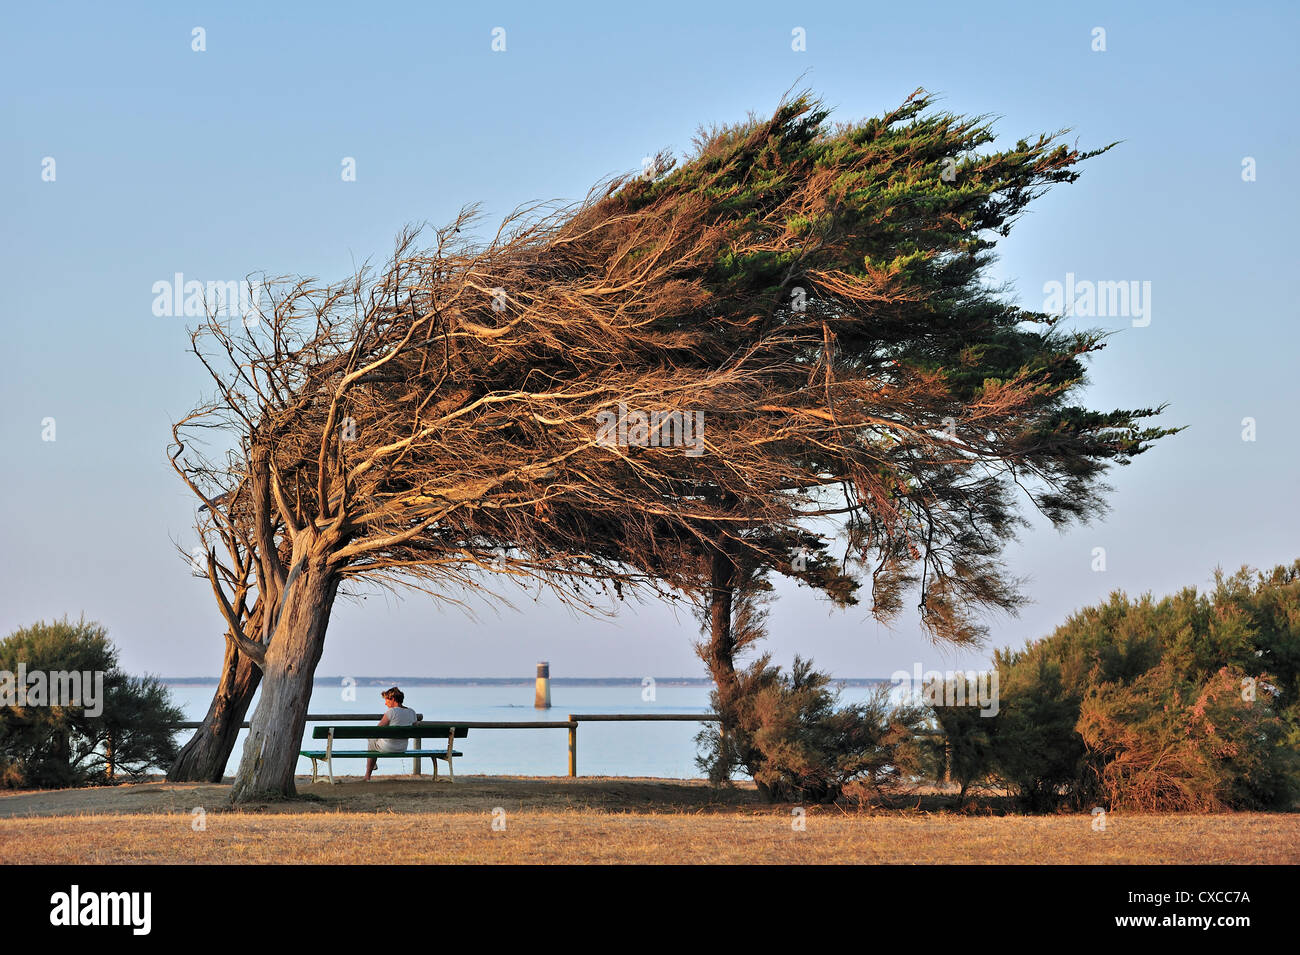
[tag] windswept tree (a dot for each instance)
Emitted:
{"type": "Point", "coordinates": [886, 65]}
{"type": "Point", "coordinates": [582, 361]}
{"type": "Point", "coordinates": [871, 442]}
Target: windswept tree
{"type": "Point", "coordinates": [204, 756]}
{"type": "Point", "coordinates": [850, 264]}
{"type": "Point", "coordinates": [444, 418]}
{"type": "Point", "coordinates": [662, 386]}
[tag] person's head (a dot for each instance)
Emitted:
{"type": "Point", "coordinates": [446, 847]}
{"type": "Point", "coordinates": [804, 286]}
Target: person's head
{"type": "Point", "coordinates": [394, 697]}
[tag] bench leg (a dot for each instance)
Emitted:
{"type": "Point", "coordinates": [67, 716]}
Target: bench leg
{"type": "Point", "coordinates": [330, 764]}
{"type": "Point", "coordinates": [451, 768]}
{"type": "Point", "coordinates": [313, 769]}
{"type": "Point", "coordinates": [435, 769]}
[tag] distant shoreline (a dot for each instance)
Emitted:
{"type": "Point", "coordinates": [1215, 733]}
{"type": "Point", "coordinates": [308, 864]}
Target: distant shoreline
{"type": "Point", "coordinates": [511, 681]}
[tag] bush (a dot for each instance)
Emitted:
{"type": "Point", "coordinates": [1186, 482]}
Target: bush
{"type": "Point", "coordinates": [1163, 743]}
{"type": "Point", "coordinates": [964, 749]}
{"type": "Point", "coordinates": [51, 746]}
{"type": "Point", "coordinates": [792, 737]}
{"type": "Point", "coordinates": [1035, 750]}
{"type": "Point", "coordinates": [1139, 703]}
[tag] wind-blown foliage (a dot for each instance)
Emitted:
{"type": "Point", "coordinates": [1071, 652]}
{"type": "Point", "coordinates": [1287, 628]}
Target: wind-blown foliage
{"type": "Point", "coordinates": [814, 291]}
{"type": "Point", "coordinates": [853, 262]}
{"type": "Point", "coordinates": [791, 735]}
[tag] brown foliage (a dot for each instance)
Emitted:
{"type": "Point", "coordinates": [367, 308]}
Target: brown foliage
{"type": "Point", "coordinates": [1168, 746]}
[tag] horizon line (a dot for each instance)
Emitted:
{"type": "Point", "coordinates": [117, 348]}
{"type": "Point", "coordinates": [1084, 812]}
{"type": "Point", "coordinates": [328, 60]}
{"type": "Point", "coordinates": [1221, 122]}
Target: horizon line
{"type": "Point", "coordinates": [560, 680]}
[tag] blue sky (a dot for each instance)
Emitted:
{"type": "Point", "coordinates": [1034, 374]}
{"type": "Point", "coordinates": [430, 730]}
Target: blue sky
{"type": "Point", "coordinates": [226, 162]}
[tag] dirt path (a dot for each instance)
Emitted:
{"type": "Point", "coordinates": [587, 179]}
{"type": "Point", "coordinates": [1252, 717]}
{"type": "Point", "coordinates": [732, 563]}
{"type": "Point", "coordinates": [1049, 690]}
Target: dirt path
{"type": "Point", "coordinates": [403, 794]}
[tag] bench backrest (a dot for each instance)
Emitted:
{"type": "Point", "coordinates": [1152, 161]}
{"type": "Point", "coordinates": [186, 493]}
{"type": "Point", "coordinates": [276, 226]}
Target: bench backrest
{"type": "Point", "coordinates": [422, 730]}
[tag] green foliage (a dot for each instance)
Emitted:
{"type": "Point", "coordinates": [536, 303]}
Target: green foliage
{"type": "Point", "coordinates": [51, 746]}
{"type": "Point", "coordinates": [1035, 748]}
{"type": "Point", "coordinates": [1189, 702]}
{"type": "Point", "coordinates": [798, 744]}
{"type": "Point", "coordinates": [886, 230]}
{"type": "Point", "coordinates": [964, 746]}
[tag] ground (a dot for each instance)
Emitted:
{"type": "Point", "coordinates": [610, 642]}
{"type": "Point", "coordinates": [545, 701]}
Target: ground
{"type": "Point", "coordinates": [561, 820]}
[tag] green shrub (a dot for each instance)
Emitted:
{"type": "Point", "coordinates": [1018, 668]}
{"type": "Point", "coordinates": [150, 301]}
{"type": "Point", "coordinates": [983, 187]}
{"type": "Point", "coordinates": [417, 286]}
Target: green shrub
{"type": "Point", "coordinates": [1035, 749]}
{"type": "Point", "coordinates": [963, 750]}
{"type": "Point", "coordinates": [1140, 704]}
{"type": "Point", "coordinates": [51, 746]}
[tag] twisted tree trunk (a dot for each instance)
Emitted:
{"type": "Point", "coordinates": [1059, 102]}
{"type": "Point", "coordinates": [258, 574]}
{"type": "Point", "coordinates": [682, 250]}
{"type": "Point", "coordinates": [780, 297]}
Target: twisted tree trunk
{"type": "Point", "coordinates": [266, 769]}
{"type": "Point", "coordinates": [726, 583]}
{"type": "Point", "coordinates": [204, 757]}
{"type": "Point", "coordinates": [720, 653]}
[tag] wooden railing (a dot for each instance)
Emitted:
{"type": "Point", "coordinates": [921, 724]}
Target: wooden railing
{"type": "Point", "coordinates": [571, 724]}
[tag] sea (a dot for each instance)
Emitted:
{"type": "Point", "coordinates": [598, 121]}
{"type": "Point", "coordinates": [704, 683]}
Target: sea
{"type": "Point", "coordinates": [658, 749]}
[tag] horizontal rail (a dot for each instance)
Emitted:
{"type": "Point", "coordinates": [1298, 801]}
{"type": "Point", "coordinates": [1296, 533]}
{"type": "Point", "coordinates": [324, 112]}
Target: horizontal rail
{"type": "Point", "coordinates": [571, 724]}
{"type": "Point", "coordinates": [485, 724]}
{"type": "Point", "coordinates": [646, 717]}
{"type": "Point", "coordinates": [311, 718]}
{"type": "Point", "coordinates": [517, 725]}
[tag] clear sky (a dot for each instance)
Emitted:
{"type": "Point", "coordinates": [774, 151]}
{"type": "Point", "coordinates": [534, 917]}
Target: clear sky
{"type": "Point", "coordinates": [226, 161]}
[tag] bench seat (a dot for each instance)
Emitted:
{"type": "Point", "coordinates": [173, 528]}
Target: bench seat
{"type": "Point", "coordinates": [379, 753]}
{"type": "Point", "coordinates": [417, 731]}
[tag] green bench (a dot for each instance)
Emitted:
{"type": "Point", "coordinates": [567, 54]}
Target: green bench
{"type": "Point", "coordinates": [416, 731]}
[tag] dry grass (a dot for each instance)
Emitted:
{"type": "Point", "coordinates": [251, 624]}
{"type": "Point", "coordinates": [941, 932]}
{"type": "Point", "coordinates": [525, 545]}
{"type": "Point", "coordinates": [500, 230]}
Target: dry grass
{"type": "Point", "coordinates": [590, 821]}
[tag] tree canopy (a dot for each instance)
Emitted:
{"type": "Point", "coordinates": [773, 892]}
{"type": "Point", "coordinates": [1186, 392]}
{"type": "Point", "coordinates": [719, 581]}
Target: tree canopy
{"type": "Point", "coordinates": [790, 325]}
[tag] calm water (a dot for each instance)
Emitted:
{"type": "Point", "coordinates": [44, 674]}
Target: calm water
{"type": "Point", "coordinates": [604, 749]}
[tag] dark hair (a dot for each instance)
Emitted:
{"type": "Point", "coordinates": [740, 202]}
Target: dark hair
{"type": "Point", "coordinates": [393, 693]}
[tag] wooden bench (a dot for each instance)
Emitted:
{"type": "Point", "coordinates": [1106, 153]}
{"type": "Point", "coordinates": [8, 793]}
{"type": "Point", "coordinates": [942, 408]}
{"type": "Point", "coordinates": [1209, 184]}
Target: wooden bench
{"type": "Point", "coordinates": [415, 731]}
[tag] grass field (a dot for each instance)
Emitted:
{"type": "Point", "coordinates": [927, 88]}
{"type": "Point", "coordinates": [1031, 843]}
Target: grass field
{"type": "Point", "coordinates": [590, 821]}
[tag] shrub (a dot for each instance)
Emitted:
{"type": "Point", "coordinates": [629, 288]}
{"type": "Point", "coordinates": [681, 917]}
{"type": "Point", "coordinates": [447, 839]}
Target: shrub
{"type": "Point", "coordinates": [1163, 743]}
{"type": "Point", "coordinates": [798, 744]}
{"type": "Point", "coordinates": [964, 748]}
{"type": "Point", "coordinates": [1035, 749]}
{"type": "Point", "coordinates": [1139, 703]}
{"type": "Point", "coordinates": [49, 746]}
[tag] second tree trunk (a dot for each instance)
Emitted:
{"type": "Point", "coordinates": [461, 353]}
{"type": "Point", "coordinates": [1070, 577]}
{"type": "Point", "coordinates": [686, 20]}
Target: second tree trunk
{"type": "Point", "coordinates": [270, 757]}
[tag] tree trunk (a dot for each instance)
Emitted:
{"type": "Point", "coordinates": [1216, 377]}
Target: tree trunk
{"type": "Point", "coordinates": [720, 654]}
{"type": "Point", "coordinates": [266, 769]}
{"type": "Point", "coordinates": [204, 757]}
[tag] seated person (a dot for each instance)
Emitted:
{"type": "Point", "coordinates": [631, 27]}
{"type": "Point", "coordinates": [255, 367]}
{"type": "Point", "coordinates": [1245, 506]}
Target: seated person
{"type": "Point", "coordinates": [397, 715]}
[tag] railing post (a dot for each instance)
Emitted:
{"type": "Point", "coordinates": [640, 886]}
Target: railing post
{"type": "Point", "coordinates": [415, 761]}
{"type": "Point", "coordinates": [573, 748]}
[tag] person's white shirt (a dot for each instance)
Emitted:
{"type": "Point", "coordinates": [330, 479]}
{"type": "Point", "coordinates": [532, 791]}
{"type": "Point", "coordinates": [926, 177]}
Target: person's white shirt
{"type": "Point", "coordinates": [397, 716]}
